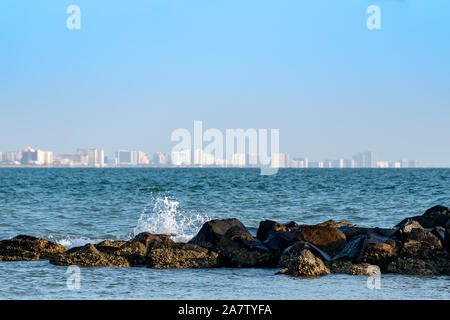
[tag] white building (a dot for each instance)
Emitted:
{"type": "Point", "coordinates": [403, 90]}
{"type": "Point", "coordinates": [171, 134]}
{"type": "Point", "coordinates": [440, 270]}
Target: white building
{"type": "Point", "coordinates": [96, 158]}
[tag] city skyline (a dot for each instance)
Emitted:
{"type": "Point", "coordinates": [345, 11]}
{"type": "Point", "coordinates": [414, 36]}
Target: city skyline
{"type": "Point", "coordinates": [94, 157]}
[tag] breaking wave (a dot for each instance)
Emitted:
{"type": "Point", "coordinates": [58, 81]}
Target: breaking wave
{"type": "Point", "coordinates": [165, 217]}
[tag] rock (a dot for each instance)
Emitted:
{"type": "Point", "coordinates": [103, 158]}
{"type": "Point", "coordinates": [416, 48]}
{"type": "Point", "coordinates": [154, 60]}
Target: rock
{"type": "Point", "coordinates": [294, 251]}
{"type": "Point", "coordinates": [166, 255]}
{"type": "Point", "coordinates": [277, 242]}
{"type": "Point", "coordinates": [88, 256]}
{"type": "Point", "coordinates": [447, 235]}
{"type": "Point", "coordinates": [421, 253]}
{"type": "Point", "coordinates": [146, 237]}
{"type": "Point", "coordinates": [351, 232]}
{"type": "Point", "coordinates": [405, 227]}
{"type": "Point", "coordinates": [334, 224]}
{"type": "Point", "coordinates": [25, 247]}
{"type": "Point", "coordinates": [434, 217]}
{"type": "Point", "coordinates": [380, 254]}
{"type": "Point", "coordinates": [267, 227]}
{"type": "Point", "coordinates": [240, 249]}
{"type": "Point", "coordinates": [356, 269]}
{"type": "Point", "coordinates": [212, 231]}
{"type": "Point", "coordinates": [328, 239]}
{"type": "Point", "coordinates": [135, 250]}
{"type": "Point", "coordinates": [292, 225]}
{"type": "Point", "coordinates": [108, 246]}
{"type": "Point", "coordinates": [439, 232]}
{"type": "Point", "coordinates": [353, 249]}
{"type": "Point", "coordinates": [303, 263]}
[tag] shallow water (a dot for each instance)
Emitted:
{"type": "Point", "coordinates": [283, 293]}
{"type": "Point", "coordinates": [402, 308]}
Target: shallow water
{"type": "Point", "coordinates": [76, 206]}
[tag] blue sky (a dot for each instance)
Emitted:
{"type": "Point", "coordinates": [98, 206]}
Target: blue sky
{"type": "Point", "coordinates": [138, 70]}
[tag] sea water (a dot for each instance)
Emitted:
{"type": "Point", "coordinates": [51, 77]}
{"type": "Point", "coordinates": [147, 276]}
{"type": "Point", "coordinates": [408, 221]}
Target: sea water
{"type": "Point", "coordinates": [79, 206]}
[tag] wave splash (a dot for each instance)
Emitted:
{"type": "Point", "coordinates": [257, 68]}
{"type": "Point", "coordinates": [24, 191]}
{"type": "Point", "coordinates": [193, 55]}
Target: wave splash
{"type": "Point", "coordinates": [166, 218]}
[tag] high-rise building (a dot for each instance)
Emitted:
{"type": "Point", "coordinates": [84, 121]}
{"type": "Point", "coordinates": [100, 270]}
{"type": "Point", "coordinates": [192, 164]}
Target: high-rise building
{"type": "Point", "coordinates": [131, 158]}
{"type": "Point", "coordinates": [349, 163]}
{"type": "Point", "coordinates": [36, 157]}
{"type": "Point", "coordinates": [413, 164]}
{"type": "Point", "coordinates": [365, 160]}
{"type": "Point", "coordinates": [338, 163]}
{"type": "Point", "coordinates": [96, 158]}
{"type": "Point", "coordinates": [181, 158]}
{"type": "Point", "coordinates": [161, 159]}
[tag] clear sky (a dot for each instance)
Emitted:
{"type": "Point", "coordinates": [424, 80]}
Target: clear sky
{"type": "Point", "coordinates": [137, 70]}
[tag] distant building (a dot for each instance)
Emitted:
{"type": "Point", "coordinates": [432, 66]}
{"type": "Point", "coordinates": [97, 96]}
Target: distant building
{"type": "Point", "coordinates": [349, 163]}
{"type": "Point", "coordinates": [131, 158]}
{"type": "Point", "coordinates": [181, 158]}
{"type": "Point", "coordinates": [365, 160]}
{"type": "Point", "coordinates": [161, 159]}
{"type": "Point", "coordinates": [96, 158]}
{"type": "Point", "coordinates": [328, 164]}
{"type": "Point", "coordinates": [382, 164]}
{"type": "Point", "coordinates": [36, 157]}
{"type": "Point", "coordinates": [315, 164]}
{"type": "Point", "coordinates": [339, 163]}
{"type": "Point", "coordinates": [395, 164]}
{"type": "Point", "coordinates": [413, 164]}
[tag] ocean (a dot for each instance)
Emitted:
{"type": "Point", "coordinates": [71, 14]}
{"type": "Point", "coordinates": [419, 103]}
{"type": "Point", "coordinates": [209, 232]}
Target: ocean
{"type": "Point", "coordinates": [77, 206]}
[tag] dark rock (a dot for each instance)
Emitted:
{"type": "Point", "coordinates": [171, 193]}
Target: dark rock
{"type": "Point", "coordinates": [351, 232]}
{"type": "Point", "coordinates": [295, 249]}
{"type": "Point", "coordinates": [380, 254]}
{"type": "Point", "coordinates": [135, 250]}
{"type": "Point", "coordinates": [239, 249]}
{"type": "Point", "coordinates": [88, 256]}
{"type": "Point", "coordinates": [434, 217]}
{"type": "Point", "coordinates": [353, 249]}
{"type": "Point", "coordinates": [447, 235]}
{"type": "Point", "coordinates": [405, 227]}
{"type": "Point", "coordinates": [268, 227]}
{"type": "Point", "coordinates": [348, 267]}
{"type": "Point", "coordinates": [212, 231]}
{"type": "Point", "coordinates": [421, 253]}
{"type": "Point", "coordinates": [146, 237]}
{"type": "Point", "coordinates": [277, 242]}
{"type": "Point", "coordinates": [25, 247]}
{"type": "Point", "coordinates": [301, 262]}
{"type": "Point", "coordinates": [439, 232]}
{"type": "Point", "coordinates": [334, 224]}
{"type": "Point", "coordinates": [292, 225]}
{"type": "Point", "coordinates": [108, 246]}
{"type": "Point", "coordinates": [328, 239]}
{"type": "Point", "coordinates": [170, 255]}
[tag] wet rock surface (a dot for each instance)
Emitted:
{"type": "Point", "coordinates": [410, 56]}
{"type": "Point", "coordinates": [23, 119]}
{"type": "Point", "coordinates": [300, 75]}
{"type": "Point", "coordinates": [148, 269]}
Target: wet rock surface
{"type": "Point", "coordinates": [238, 248]}
{"type": "Point", "coordinates": [88, 256]}
{"type": "Point", "coordinates": [212, 231]}
{"type": "Point", "coordinates": [179, 256]}
{"type": "Point", "coordinates": [25, 247]}
{"type": "Point", "coordinates": [418, 245]}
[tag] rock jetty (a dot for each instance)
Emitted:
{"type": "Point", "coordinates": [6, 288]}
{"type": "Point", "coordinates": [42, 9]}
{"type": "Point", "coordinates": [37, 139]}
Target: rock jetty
{"type": "Point", "coordinates": [418, 245]}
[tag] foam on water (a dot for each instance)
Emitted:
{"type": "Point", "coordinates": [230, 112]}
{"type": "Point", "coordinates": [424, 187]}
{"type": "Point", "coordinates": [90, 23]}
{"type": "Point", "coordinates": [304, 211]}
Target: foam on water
{"type": "Point", "coordinates": [71, 242]}
{"type": "Point", "coordinates": [166, 218]}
